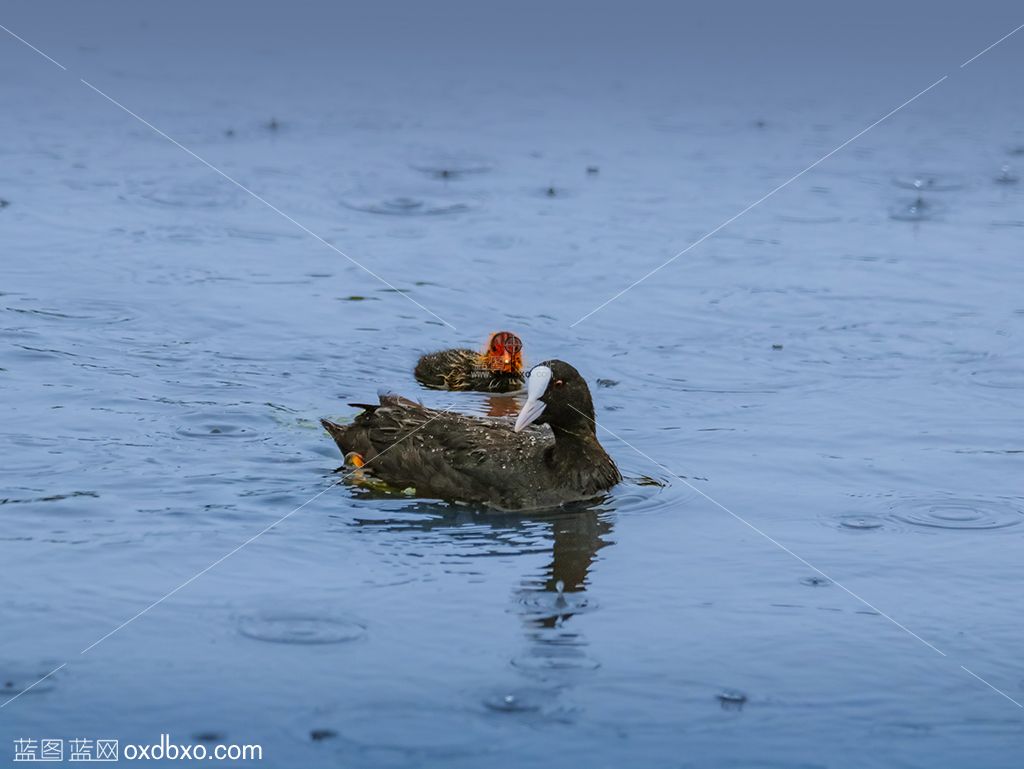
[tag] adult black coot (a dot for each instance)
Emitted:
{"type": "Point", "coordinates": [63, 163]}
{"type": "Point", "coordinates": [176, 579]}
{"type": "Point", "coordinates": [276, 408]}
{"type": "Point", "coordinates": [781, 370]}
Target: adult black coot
{"type": "Point", "coordinates": [498, 369]}
{"type": "Point", "coordinates": [507, 465]}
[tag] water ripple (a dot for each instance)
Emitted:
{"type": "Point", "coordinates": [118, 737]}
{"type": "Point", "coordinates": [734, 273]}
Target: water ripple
{"type": "Point", "coordinates": [204, 193]}
{"type": "Point", "coordinates": [406, 206]}
{"type": "Point", "coordinates": [300, 628]}
{"type": "Point", "coordinates": [957, 514]}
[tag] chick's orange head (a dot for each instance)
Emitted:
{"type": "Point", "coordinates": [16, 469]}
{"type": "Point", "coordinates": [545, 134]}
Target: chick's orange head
{"type": "Point", "coordinates": [505, 352]}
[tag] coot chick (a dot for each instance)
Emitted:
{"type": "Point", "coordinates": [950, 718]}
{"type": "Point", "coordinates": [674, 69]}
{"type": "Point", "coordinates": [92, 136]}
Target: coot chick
{"type": "Point", "coordinates": [510, 466]}
{"type": "Point", "coordinates": [498, 369]}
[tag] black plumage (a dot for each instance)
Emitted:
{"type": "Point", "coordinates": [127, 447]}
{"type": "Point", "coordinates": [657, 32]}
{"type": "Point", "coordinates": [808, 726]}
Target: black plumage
{"type": "Point", "coordinates": [476, 459]}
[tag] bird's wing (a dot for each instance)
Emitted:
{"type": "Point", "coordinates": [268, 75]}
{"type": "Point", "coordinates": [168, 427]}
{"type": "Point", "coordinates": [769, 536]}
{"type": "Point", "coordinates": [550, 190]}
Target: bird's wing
{"type": "Point", "coordinates": [451, 455]}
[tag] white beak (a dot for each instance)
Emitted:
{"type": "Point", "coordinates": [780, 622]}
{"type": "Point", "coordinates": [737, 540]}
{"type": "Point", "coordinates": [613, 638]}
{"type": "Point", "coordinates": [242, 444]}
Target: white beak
{"type": "Point", "coordinates": [536, 386]}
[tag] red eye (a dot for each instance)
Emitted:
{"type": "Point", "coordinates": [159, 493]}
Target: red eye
{"type": "Point", "coordinates": [558, 383]}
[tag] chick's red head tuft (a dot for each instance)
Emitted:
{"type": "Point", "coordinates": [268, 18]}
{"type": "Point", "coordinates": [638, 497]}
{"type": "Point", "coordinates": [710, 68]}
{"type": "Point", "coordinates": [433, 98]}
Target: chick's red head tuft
{"type": "Point", "coordinates": [504, 352]}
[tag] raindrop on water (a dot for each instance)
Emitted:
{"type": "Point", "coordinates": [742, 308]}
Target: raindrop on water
{"type": "Point", "coordinates": [731, 699]}
{"type": "Point", "coordinates": [815, 581]}
{"type": "Point", "coordinates": [1006, 176]}
{"type": "Point", "coordinates": [292, 628]}
{"type": "Point", "coordinates": [860, 522]}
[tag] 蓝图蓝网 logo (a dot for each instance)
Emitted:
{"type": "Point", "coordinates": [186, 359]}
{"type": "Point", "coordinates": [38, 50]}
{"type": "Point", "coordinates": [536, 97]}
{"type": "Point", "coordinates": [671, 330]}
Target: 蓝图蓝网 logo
{"type": "Point", "coordinates": [49, 749]}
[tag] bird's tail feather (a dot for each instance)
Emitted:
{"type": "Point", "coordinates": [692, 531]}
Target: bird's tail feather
{"type": "Point", "coordinates": [335, 430]}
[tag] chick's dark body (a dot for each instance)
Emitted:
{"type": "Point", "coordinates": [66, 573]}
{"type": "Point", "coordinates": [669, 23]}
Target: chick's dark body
{"type": "Point", "coordinates": [464, 369]}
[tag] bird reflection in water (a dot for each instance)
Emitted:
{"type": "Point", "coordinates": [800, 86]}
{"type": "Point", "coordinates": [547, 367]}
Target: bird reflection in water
{"type": "Point", "coordinates": [545, 601]}
{"type": "Point", "coordinates": [548, 602]}
{"type": "Point", "coordinates": [503, 405]}
{"type": "Point", "coordinates": [559, 593]}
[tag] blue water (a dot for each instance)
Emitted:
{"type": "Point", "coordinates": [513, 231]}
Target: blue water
{"type": "Point", "coordinates": [839, 369]}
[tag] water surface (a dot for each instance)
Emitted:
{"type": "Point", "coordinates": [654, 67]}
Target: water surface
{"type": "Point", "coordinates": [840, 369]}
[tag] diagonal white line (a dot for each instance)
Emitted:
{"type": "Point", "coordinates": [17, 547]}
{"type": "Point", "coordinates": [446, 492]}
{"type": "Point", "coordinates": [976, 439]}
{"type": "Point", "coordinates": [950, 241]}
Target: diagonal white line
{"type": "Point", "coordinates": [26, 42]}
{"type": "Point", "coordinates": [258, 534]}
{"type": "Point", "coordinates": [201, 572]}
{"type": "Point", "coordinates": [771, 539]}
{"type": "Point", "coordinates": [982, 53]}
{"type": "Point", "coordinates": [756, 203]}
{"type": "Point", "coordinates": [235, 182]}
{"type": "Point", "coordinates": [265, 202]}
{"type": "Point", "coordinates": [759, 201]}
{"type": "Point", "coordinates": [791, 179]}
{"type": "Point", "coordinates": [27, 688]}
{"type": "Point", "coordinates": [993, 688]}
{"type": "Point", "coordinates": [227, 555]}
{"type": "Point", "coordinates": [782, 547]}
